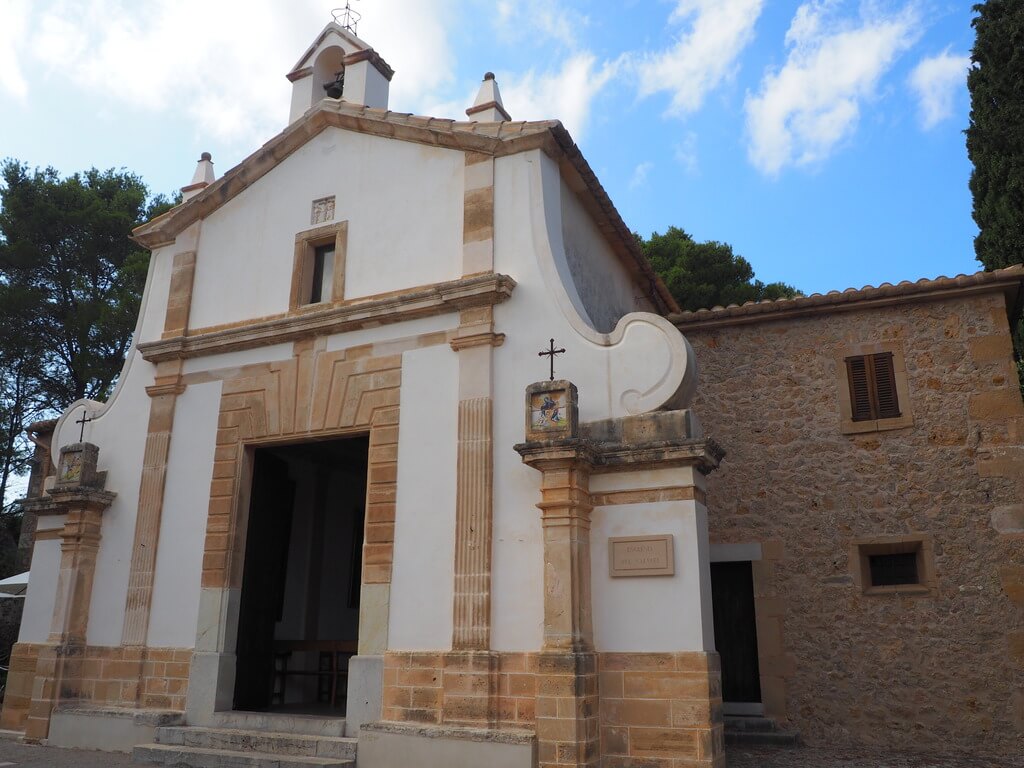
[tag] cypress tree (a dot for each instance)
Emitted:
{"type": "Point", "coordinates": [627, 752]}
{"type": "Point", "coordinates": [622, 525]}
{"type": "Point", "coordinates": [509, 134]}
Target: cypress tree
{"type": "Point", "coordinates": [995, 138]}
{"type": "Point", "coordinates": [995, 142]}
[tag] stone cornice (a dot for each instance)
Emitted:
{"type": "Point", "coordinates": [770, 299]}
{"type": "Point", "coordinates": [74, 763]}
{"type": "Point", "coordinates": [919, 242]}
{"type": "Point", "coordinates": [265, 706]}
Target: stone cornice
{"type": "Point", "coordinates": [375, 60]}
{"type": "Point", "coordinates": [705, 454]}
{"type": "Point", "coordinates": [476, 110]}
{"type": "Point", "coordinates": [175, 387]}
{"type": "Point", "coordinates": [60, 502]}
{"type": "Point", "coordinates": [486, 339]}
{"type": "Point", "coordinates": [298, 74]}
{"type": "Point", "coordinates": [425, 301]}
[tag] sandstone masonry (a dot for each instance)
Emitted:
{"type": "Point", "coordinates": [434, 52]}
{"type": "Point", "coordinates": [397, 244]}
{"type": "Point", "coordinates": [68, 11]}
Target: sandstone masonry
{"type": "Point", "coordinates": [939, 669]}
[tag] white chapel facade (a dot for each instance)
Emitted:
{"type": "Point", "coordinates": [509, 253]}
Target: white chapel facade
{"type": "Point", "coordinates": [337, 488]}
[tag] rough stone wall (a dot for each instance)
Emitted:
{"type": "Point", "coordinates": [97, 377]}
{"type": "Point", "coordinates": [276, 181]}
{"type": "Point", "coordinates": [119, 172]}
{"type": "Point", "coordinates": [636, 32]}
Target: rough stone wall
{"type": "Point", "coordinates": [944, 670]}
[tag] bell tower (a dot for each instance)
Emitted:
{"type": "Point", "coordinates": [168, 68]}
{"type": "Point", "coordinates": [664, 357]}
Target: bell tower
{"type": "Point", "coordinates": [339, 65]}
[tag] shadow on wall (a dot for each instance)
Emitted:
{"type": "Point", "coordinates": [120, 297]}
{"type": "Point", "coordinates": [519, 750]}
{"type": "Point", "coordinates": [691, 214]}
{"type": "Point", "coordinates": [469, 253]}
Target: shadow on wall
{"type": "Point", "coordinates": [10, 621]}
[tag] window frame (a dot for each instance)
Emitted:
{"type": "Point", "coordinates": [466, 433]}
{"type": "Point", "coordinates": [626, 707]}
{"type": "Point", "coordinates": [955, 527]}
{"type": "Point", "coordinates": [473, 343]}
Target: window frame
{"type": "Point", "coordinates": [307, 243]}
{"type": "Point", "coordinates": [905, 419]}
{"type": "Point", "coordinates": [921, 545]}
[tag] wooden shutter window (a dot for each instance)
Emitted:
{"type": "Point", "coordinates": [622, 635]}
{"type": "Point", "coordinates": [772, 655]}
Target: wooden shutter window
{"type": "Point", "coordinates": [860, 389]}
{"type": "Point", "coordinates": [872, 380]}
{"type": "Point", "coordinates": [885, 386]}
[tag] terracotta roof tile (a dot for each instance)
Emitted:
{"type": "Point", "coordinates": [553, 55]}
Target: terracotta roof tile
{"type": "Point", "coordinates": [1010, 277]}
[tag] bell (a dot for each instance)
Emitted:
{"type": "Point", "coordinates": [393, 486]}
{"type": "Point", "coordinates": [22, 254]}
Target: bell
{"type": "Point", "coordinates": [335, 89]}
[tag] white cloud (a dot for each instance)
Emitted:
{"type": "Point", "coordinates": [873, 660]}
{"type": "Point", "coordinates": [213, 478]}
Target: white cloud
{"type": "Point", "coordinates": [13, 23]}
{"type": "Point", "coordinates": [540, 20]}
{"type": "Point", "coordinates": [222, 65]}
{"type": "Point", "coordinates": [805, 109]}
{"type": "Point", "coordinates": [565, 95]}
{"type": "Point", "coordinates": [936, 80]}
{"type": "Point", "coordinates": [704, 55]}
{"type": "Point", "coordinates": [640, 173]}
{"type": "Point", "coordinates": [686, 153]}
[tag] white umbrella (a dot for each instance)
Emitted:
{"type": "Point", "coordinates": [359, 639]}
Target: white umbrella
{"type": "Point", "coordinates": [14, 586]}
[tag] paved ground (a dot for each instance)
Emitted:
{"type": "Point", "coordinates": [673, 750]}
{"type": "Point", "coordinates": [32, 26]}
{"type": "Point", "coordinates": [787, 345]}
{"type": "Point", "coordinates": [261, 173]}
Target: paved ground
{"type": "Point", "coordinates": [14, 754]}
{"type": "Point", "coordinates": [23, 756]}
{"type": "Point", "coordinates": [807, 757]}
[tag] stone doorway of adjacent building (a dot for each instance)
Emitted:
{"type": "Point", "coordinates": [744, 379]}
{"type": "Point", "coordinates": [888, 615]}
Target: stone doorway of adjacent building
{"type": "Point", "coordinates": [732, 593]}
{"type": "Point", "coordinates": [298, 622]}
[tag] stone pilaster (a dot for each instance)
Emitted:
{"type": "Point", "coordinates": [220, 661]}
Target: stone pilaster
{"type": "Point", "coordinates": [179, 296]}
{"type": "Point", "coordinates": [164, 394]}
{"type": "Point", "coordinates": [473, 511]}
{"type": "Point", "coordinates": [470, 690]}
{"type": "Point", "coordinates": [567, 695]}
{"type": "Point", "coordinates": [59, 664]}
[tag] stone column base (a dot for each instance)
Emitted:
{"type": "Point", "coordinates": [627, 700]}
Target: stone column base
{"type": "Point", "coordinates": [211, 686]}
{"type": "Point", "coordinates": [660, 708]}
{"type": "Point", "coordinates": [20, 683]}
{"type": "Point", "coordinates": [567, 709]}
{"type": "Point", "coordinates": [365, 692]}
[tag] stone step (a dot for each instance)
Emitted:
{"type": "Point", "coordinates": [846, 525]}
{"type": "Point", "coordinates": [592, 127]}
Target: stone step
{"type": "Point", "coordinates": [268, 742]}
{"type": "Point", "coordinates": [765, 738]}
{"type": "Point", "coordinates": [309, 725]}
{"type": "Point", "coordinates": [196, 757]}
{"type": "Point", "coordinates": [749, 723]}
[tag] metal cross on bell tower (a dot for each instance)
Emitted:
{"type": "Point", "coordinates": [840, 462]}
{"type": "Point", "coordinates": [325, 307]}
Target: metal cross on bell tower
{"type": "Point", "coordinates": [346, 18]}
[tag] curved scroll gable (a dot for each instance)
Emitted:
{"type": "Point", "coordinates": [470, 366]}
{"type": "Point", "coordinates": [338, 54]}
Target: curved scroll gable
{"type": "Point", "coordinates": [650, 365]}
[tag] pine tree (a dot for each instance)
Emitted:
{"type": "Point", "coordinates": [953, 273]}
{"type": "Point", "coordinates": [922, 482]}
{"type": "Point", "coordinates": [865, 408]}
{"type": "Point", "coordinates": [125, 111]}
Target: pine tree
{"type": "Point", "coordinates": [703, 275]}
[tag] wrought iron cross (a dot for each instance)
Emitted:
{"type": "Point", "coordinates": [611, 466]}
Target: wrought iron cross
{"type": "Point", "coordinates": [83, 421]}
{"type": "Point", "coordinates": [550, 353]}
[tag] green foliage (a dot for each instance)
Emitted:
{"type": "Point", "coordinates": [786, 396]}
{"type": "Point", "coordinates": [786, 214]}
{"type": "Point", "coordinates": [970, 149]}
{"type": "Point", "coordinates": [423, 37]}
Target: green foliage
{"type": "Point", "coordinates": [995, 139]}
{"type": "Point", "coordinates": [70, 285]}
{"type": "Point", "coordinates": [704, 275]}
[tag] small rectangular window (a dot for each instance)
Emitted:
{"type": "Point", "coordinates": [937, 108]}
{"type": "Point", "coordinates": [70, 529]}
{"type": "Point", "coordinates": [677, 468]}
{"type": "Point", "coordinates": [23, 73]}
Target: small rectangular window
{"type": "Point", "coordinates": [890, 570]}
{"type": "Point", "coordinates": [323, 273]}
{"type": "Point", "coordinates": [872, 381]}
{"type": "Point", "coordinates": [889, 565]}
{"type": "Point", "coordinates": [318, 267]}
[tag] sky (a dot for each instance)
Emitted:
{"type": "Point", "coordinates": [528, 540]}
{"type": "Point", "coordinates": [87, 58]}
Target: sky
{"type": "Point", "coordinates": [822, 139]}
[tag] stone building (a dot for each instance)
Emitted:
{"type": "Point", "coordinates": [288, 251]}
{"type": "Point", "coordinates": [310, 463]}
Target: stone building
{"type": "Point", "coordinates": [339, 507]}
{"type": "Point", "coordinates": [808, 498]}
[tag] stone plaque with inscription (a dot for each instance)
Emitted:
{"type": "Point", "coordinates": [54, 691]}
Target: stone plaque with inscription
{"type": "Point", "coordinates": [641, 556]}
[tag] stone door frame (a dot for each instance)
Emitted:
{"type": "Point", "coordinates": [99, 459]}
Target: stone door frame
{"type": "Point", "coordinates": [316, 395]}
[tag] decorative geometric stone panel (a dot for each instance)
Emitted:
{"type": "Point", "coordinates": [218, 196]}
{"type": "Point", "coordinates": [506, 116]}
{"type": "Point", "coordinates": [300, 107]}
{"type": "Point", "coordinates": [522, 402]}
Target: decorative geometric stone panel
{"type": "Point", "coordinates": [315, 394]}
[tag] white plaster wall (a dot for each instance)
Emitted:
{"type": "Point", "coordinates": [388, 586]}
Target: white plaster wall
{"type": "Point", "coordinates": [365, 85]}
{"type": "Point", "coordinates": [158, 284]}
{"type": "Point", "coordinates": [423, 573]}
{"type": "Point", "coordinates": [179, 562]}
{"type": "Point", "coordinates": [403, 202]}
{"type": "Point", "coordinates": [268, 354]}
{"type": "Point", "coordinates": [396, 331]}
{"type": "Point", "coordinates": [603, 284]}
{"type": "Point", "coordinates": [37, 615]}
{"type": "Point", "coordinates": [119, 429]}
{"type": "Point", "coordinates": [529, 227]}
{"type": "Point", "coordinates": [120, 434]}
{"type": "Point", "coordinates": [650, 613]}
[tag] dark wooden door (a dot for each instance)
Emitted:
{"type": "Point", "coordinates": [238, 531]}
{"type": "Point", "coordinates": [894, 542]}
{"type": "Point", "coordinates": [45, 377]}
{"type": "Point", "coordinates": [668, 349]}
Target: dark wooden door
{"type": "Point", "coordinates": [262, 598]}
{"type": "Point", "coordinates": [732, 593]}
